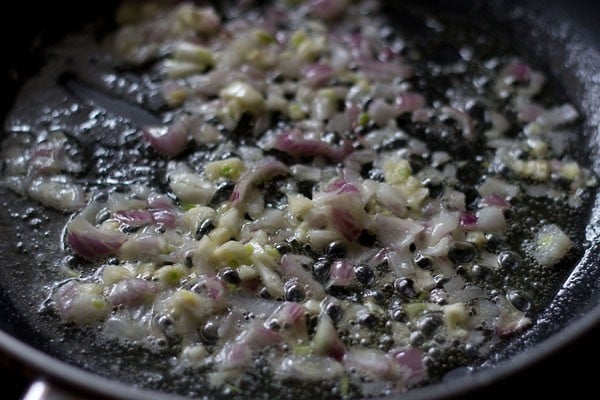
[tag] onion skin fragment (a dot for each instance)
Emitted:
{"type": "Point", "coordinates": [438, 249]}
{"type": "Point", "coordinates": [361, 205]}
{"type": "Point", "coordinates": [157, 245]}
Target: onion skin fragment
{"type": "Point", "coordinates": [294, 144]}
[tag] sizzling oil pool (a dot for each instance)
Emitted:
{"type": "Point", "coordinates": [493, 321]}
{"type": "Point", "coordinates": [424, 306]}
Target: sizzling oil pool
{"type": "Point", "coordinates": [297, 195]}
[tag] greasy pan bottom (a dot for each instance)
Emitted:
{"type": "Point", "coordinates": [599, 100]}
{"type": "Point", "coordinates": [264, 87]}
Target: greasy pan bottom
{"type": "Point", "coordinates": [573, 312]}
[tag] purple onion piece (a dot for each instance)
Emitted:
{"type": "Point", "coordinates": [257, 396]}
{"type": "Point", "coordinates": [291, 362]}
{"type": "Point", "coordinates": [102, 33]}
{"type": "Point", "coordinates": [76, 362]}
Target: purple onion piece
{"type": "Point", "coordinates": [90, 242]}
{"type": "Point", "coordinates": [294, 144]}
{"type": "Point", "coordinates": [409, 102]}
{"type": "Point", "coordinates": [494, 200]}
{"type": "Point", "coordinates": [263, 171]}
{"type": "Point", "coordinates": [164, 217]}
{"type": "Point", "coordinates": [212, 288]}
{"type": "Point", "coordinates": [412, 359]}
{"type": "Point", "coordinates": [289, 316]}
{"type": "Point", "coordinates": [345, 223]}
{"type": "Point", "coordinates": [134, 218]}
{"type": "Point", "coordinates": [519, 72]}
{"type": "Point", "coordinates": [259, 336]}
{"type": "Point", "coordinates": [318, 74]}
{"type": "Point", "coordinates": [467, 220]}
{"type": "Point", "coordinates": [132, 292]}
{"type": "Point", "coordinates": [235, 355]}
{"type": "Point", "coordinates": [340, 186]}
{"type": "Point", "coordinates": [160, 201]}
{"type": "Point", "coordinates": [342, 273]}
{"type": "Point", "coordinates": [171, 140]}
{"type": "Point", "coordinates": [373, 362]}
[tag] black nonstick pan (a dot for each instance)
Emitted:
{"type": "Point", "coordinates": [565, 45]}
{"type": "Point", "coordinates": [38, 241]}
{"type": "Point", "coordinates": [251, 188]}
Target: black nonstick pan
{"type": "Point", "coordinates": [561, 37]}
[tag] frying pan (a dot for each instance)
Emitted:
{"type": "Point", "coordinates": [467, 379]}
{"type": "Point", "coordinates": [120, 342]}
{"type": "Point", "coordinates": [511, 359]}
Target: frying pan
{"type": "Point", "coordinates": [562, 39]}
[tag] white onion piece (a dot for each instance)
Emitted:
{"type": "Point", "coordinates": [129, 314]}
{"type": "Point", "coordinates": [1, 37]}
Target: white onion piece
{"type": "Point", "coordinates": [58, 192]}
{"type": "Point", "coordinates": [124, 327]}
{"type": "Point", "coordinates": [382, 112]}
{"type": "Point", "coordinates": [190, 187]}
{"type": "Point", "coordinates": [374, 363]}
{"type": "Point", "coordinates": [490, 219]}
{"type": "Point", "coordinates": [558, 116]}
{"type": "Point", "coordinates": [292, 266]}
{"type": "Point", "coordinates": [442, 225]}
{"type": "Point", "coordinates": [496, 186]}
{"type": "Point", "coordinates": [143, 245]}
{"type": "Point", "coordinates": [396, 232]}
{"type": "Point", "coordinates": [510, 320]}
{"type": "Point", "coordinates": [309, 368]}
{"type": "Point", "coordinates": [466, 294]}
{"type": "Point", "coordinates": [326, 341]}
{"type": "Point", "coordinates": [551, 244]}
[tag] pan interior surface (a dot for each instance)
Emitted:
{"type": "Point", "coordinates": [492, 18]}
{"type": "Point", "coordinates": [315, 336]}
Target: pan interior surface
{"type": "Point", "coordinates": [34, 259]}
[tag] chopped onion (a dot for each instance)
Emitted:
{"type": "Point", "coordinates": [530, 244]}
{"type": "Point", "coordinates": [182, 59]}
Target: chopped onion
{"type": "Point", "coordinates": [467, 220]}
{"type": "Point", "coordinates": [81, 303]}
{"type": "Point", "coordinates": [317, 75]}
{"type": "Point", "coordinates": [395, 232]}
{"type": "Point", "coordinates": [132, 292]}
{"type": "Point", "coordinates": [134, 218]}
{"type": "Point", "coordinates": [551, 244]}
{"type": "Point", "coordinates": [345, 223]}
{"type": "Point", "coordinates": [412, 359]}
{"type": "Point", "coordinates": [264, 170]}
{"type": "Point", "coordinates": [292, 265]}
{"type": "Point", "coordinates": [58, 192]}
{"type": "Point", "coordinates": [294, 144]}
{"type": "Point", "coordinates": [490, 219]}
{"type": "Point", "coordinates": [171, 140]}
{"type": "Point", "coordinates": [289, 317]}
{"type": "Point", "coordinates": [558, 116]}
{"type": "Point", "coordinates": [374, 363]}
{"type": "Point", "coordinates": [409, 102]}
{"type": "Point", "coordinates": [516, 71]}
{"type": "Point", "coordinates": [258, 336]}
{"type": "Point", "coordinates": [309, 368]}
{"type": "Point", "coordinates": [326, 341]}
{"type": "Point", "coordinates": [342, 273]}
{"type": "Point", "coordinates": [464, 120]}
{"type": "Point", "coordinates": [90, 242]}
